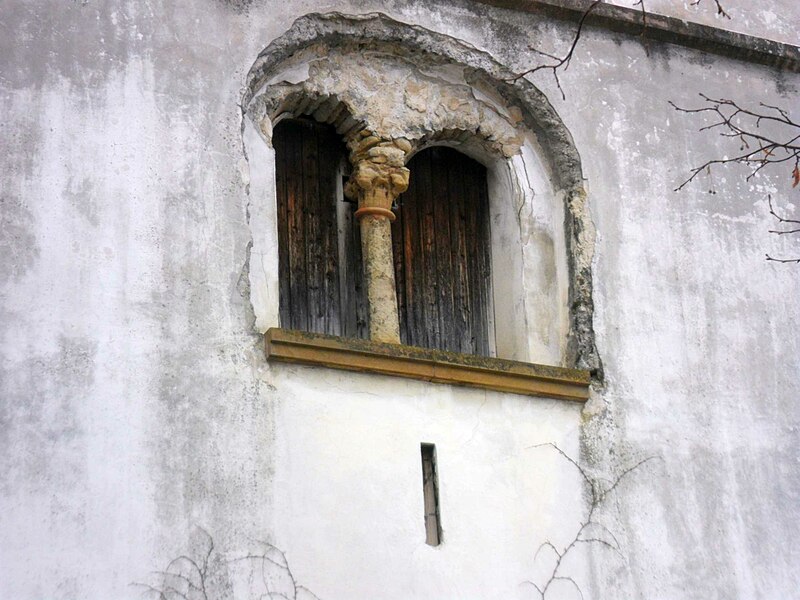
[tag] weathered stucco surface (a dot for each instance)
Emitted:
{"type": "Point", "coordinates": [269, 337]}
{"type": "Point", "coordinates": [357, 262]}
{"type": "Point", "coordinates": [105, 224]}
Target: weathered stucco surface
{"type": "Point", "coordinates": [778, 20]}
{"type": "Point", "coordinates": [136, 404]}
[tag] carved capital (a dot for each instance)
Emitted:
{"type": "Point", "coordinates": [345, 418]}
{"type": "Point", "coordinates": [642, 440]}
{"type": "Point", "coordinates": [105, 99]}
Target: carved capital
{"type": "Point", "coordinates": [379, 173]}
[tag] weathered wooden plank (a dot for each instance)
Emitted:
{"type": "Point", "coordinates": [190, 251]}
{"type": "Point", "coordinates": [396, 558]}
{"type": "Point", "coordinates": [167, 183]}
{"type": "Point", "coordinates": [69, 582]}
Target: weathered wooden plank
{"type": "Point", "coordinates": [313, 217]}
{"type": "Point", "coordinates": [484, 250]}
{"type": "Point", "coordinates": [443, 162]}
{"type": "Point", "coordinates": [331, 151]}
{"type": "Point", "coordinates": [349, 269]}
{"type": "Point", "coordinates": [296, 219]}
{"type": "Point", "coordinates": [405, 245]}
{"type": "Point", "coordinates": [355, 308]}
{"type": "Point", "coordinates": [443, 279]}
{"type": "Point", "coordinates": [458, 245]}
{"type": "Point", "coordinates": [308, 158]}
{"type": "Point", "coordinates": [429, 334]}
{"type": "Point", "coordinates": [477, 244]}
{"type": "Point", "coordinates": [415, 260]}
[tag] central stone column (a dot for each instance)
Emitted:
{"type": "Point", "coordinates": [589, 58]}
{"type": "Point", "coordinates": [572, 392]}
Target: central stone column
{"type": "Point", "coordinates": [379, 177]}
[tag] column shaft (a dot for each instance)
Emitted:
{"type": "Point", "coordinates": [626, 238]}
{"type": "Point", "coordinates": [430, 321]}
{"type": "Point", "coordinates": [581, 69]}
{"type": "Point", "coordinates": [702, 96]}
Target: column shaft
{"type": "Point", "coordinates": [379, 177]}
{"type": "Point", "coordinates": [376, 248]}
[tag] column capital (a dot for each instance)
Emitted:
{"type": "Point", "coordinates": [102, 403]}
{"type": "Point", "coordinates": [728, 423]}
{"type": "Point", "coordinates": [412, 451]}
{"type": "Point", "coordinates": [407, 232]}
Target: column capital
{"type": "Point", "coordinates": [379, 174]}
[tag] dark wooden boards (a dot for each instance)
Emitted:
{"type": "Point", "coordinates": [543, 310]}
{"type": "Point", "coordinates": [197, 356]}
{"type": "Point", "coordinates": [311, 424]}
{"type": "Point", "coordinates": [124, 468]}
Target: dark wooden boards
{"type": "Point", "coordinates": [440, 239]}
{"type": "Point", "coordinates": [321, 287]}
{"type": "Point", "coordinates": [442, 260]}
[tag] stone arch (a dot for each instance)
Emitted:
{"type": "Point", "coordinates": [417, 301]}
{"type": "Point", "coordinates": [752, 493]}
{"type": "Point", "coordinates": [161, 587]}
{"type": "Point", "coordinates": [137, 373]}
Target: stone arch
{"type": "Point", "coordinates": [434, 89]}
{"type": "Point", "coordinates": [286, 100]}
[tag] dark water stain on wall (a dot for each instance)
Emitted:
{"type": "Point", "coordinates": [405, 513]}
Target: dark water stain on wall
{"type": "Point", "coordinates": [238, 6]}
{"type": "Point", "coordinates": [18, 247]}
{"type": "Point", "coordinates": [42, 445]}
{"type": "Point", "coordinates": [81, 197]}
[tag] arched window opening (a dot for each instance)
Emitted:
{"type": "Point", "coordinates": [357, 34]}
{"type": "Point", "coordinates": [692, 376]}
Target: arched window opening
{"type": "Point", "coordinates": [442, 254]}
{"type": "Point", "coordinates": [319, 246]}
{"type": "Point", "coordinates": [438, 276]}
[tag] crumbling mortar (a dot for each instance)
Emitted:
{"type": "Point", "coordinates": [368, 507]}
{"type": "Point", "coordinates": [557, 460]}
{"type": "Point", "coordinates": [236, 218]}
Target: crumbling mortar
{"type": "Point", "coordinates": [580, 250]}
{"type": "Point", "coordinates": [429, 104]}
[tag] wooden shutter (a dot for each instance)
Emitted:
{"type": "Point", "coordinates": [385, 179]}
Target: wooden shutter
{"type": "Point", "coordinates": [441, 253]}
{"type": "Point", "coordinates": [321, 281]}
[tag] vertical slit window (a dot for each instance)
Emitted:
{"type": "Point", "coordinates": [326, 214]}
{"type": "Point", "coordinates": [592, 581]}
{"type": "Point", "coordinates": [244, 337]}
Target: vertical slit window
{"type": "Point", "coordinates": [430, 491]}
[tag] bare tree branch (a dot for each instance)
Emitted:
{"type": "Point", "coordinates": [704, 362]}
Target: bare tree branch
{"type": "Point", "coordinates": [562, 62]}
{"type": "Point", "coordinates": [572, 581]}
{"type": "Point", "coordinates": [720, 11]}
{"type": "Point", "coordinates": [758, 148]}
{"type": "Point", "coordinates": [768, 136]}
{"type": "Point", "coordinates": [546, 544]}
{"type": "Point", "coordinates": [780, 219]}
{"type": "Point", "coordinates": [188, 578]}
{"type": "Point", "coordinates": [586, 478]}
{"type": "Point", "coordinates": [783, 260]}
{"type": "Point", "coordinates": [599, 541]}
{"type": "Point", "coordinates": [598, 493]}
{"type": "Point", "coordinates": [778, 143]}
{"type": "Point", "coordinates": [622, 475]}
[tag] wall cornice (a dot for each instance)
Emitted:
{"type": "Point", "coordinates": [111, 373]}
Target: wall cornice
{"type": "Point", "coordinates": [621, 19]}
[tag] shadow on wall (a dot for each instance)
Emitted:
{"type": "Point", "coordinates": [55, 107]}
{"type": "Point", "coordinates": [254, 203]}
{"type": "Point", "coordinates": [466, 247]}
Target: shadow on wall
{"type": "Point", "coordinates": [206, 573]}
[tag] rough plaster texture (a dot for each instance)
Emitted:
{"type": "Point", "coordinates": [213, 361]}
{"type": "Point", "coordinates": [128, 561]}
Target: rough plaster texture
{"type": "Point", "coordinates": [777, 20]}
{"type": "Point", "coordinates": [136, 405]}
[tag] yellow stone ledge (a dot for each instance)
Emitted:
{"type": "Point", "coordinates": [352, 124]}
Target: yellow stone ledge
{"type": "Point", "coordinates": [365, 356]}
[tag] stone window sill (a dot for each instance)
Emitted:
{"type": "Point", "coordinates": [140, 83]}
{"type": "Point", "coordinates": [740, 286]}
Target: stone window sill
{"type": "Point", "coordinates": [498, 374]}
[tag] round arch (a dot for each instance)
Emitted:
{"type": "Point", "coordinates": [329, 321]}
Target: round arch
{"type": "Point", "coordinates": [432, 89]}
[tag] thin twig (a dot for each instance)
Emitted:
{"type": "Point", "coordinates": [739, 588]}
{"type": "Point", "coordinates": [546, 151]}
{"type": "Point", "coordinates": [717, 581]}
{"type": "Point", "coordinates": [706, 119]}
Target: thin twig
{"type": "Point", "coordinates": [758, 149]}
{"type": "Point", "coordinates": [783, 260]}
{"type": "Point", "coordinates": [720, 10]}
{"type": "Point", "coordinates": [562, 62]}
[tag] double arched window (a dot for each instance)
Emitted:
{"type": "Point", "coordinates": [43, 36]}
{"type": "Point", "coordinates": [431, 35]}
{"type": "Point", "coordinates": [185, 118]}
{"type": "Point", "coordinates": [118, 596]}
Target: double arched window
{"type": "Point", "coordinates": [440, 244]}
{"type": "Point", "coordinates": [466, 229]}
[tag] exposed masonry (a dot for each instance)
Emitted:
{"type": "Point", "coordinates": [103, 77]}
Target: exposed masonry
{"type": "Point", "coordinates": [433, 88]}
{"type": "Point", "coordinates": [416, 101]}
